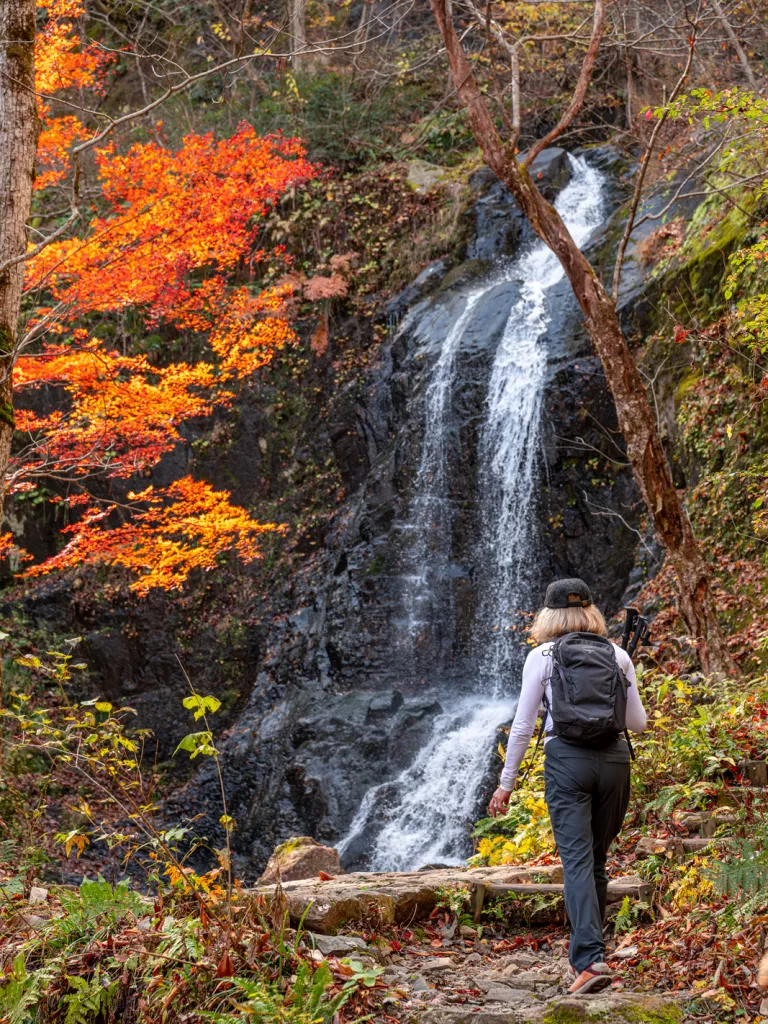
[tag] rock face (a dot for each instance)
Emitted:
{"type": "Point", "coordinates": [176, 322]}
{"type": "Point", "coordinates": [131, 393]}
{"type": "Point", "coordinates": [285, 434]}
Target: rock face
{"type": "Point", "coordinates": [338, 692]}
{"type": "Point", "coordinates": [301, 857]}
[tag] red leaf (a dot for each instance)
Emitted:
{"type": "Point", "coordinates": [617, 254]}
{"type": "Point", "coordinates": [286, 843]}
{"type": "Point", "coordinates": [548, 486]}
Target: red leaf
{"type": "Point", "coordinates": [325, 877]}
{"type": "Point", "coordinates": [226, 968]}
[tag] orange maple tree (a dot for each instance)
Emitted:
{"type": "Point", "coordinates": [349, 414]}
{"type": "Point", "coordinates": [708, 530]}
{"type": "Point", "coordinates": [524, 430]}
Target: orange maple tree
{"type": "Point", "coordinates": [173, 239]}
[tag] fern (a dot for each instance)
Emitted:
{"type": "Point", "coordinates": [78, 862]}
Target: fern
{"type": "Point", "coordinates": [90, 999]}
{"type": "Point", "coordinates": [746, 874]}
{"type": "Point", "coordinates": [179, 939]}
{"type": "Point", "coordinates": [697, 795]}
{"type": "Point", "coordinates": [306, 1002]}
{"type": "Point", "coordinates": [98, 899]}
{"type": "Point", "coordinates": [21, 994]}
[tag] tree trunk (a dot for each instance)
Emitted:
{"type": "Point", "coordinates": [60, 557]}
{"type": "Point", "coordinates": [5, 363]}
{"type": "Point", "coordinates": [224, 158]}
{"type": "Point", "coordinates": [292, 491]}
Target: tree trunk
{"type": "Point", "coordinates": [734, 41]}
{"type": "Point", "coordinates": [646, 454]}
{"type": "Point", "coordinates": [18, 144]}
{"type": "Point", "coordinates": [297, 31]}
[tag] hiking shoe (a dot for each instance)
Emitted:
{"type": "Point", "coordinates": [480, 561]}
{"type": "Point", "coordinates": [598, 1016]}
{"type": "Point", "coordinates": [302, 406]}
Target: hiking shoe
{"type": "Point", "coordinates": [570, 976]}
{"type": "Point", "coordinates": [593, 979]}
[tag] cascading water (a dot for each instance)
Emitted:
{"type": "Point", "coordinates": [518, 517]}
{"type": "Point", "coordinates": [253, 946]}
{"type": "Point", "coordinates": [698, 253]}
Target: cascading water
{"type": "Point", "coordinates": [424, 813]}
{"type": "Point", "coordinates": [430, 509]}
{"type": "Point", "coordinates": [509, 446]}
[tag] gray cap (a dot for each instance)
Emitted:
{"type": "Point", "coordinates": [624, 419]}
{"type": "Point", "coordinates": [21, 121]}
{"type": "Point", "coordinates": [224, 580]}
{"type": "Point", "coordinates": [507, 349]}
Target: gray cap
{"type": "Point", "coordinates": [560, 594]}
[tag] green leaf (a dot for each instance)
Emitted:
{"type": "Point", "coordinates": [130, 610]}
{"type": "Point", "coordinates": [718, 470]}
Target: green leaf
{"type": "Point", "coordinates": [197, 743]}
{"type": "Point", "coordinates": [201, 705]}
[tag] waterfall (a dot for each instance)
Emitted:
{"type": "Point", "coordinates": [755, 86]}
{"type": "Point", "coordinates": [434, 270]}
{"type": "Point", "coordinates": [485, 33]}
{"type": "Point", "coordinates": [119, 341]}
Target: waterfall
{"type": "Point", "coordinates": [430, 508]}
{"type": "Point", "coordinates": [509, 447]}
{"type": "Point", "coordinates": [423, 815]}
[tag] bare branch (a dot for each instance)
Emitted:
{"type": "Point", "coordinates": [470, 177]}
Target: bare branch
{"type": "Point", "coordinates": [629, 227]}
{"type": "Point", "coordinates": [579, 93]}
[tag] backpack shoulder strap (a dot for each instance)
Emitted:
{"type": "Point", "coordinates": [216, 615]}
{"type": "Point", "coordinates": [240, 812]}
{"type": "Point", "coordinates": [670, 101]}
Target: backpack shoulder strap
{"type": "Point", "coordinates": [620, 671]}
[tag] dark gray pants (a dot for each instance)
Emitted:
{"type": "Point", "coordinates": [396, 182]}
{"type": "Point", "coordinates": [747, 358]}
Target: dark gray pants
{"type": "Point", "coordinates": [587, 792]}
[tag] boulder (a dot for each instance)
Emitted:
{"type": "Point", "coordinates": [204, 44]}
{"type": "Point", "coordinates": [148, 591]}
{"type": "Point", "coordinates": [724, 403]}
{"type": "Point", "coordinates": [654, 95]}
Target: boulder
{"type": "Point", "coordinates": [422, 175]}
{"type": "Point", "coordinates": [301, 857]}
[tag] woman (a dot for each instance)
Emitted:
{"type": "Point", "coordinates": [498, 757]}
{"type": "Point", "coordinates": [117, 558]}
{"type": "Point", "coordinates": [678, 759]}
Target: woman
{"type": "Point", "coordinates": [587, 790]}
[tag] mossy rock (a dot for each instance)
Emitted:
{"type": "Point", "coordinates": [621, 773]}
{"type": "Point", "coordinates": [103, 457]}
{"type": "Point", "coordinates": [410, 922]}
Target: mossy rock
{"type": "Point", "coordinates": [465, 273]}
{"type": "Point", "coordinates": [610, 1008]}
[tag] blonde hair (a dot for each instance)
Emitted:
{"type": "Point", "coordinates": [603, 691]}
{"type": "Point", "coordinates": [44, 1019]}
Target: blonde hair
{"type": "Point", "coordinates": [550, 623]}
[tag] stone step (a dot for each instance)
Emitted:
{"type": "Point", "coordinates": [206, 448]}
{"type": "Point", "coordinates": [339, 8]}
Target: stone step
{"type": "Point", "coordinates": [618, 889]}
{"type": "Point", "coordinates": [609, 1007]}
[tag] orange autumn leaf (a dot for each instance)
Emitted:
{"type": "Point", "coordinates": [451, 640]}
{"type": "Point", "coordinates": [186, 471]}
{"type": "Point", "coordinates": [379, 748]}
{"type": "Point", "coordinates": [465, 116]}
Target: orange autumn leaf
{"type": "Point", "coordinates": [183, 528]}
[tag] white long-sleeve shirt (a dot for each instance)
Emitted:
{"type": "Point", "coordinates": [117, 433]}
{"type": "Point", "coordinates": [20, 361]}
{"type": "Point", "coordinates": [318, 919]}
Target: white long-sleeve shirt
{"type": "Point", "coordinates": [536, 674]}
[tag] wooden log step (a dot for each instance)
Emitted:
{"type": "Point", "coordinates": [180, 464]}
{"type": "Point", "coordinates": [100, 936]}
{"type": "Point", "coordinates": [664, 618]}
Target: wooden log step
{"type": "Point", "coordinates": [737, 796]}
{"type": "Point", "coordinates": [618, 889]}
{"type": "Point", "coordinates": [705, 822]}
{"type": "Point", "coordinates": [755, 771]}
{"type": "Point", "coordinates": [673, 846]}
{"type": "Point", "coordinates": [699, 844]}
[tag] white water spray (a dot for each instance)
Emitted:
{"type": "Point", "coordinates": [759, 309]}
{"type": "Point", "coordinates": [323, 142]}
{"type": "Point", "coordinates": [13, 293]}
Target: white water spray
{"type": "Point", "coordinates": [430, 510]}
{"type": "Point", "coordinates": [509, 448]}
{"type": "Point", "coordinates": [427, 809]}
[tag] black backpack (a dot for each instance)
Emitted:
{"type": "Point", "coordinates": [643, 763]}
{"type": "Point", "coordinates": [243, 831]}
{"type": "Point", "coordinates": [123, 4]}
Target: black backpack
{"type": "Point", "coordinates": [589, 691]}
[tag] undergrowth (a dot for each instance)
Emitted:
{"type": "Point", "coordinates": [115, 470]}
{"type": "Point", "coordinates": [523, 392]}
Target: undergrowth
{"type": "Point", "coordinates": [160, 941]}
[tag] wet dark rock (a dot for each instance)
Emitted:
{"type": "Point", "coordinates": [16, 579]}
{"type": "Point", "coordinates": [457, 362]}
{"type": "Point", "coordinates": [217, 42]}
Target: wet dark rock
{"type": "Point", "coordinates": [427, 281]}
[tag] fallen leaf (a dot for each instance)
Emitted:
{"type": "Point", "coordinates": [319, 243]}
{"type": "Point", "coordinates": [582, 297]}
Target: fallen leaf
{"type": "Point", "coordinates": [226, 968]}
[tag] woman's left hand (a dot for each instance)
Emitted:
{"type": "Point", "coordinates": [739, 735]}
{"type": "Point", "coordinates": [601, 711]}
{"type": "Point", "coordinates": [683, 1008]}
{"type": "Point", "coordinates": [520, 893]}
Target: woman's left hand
{"type": "Point", "coordinates": [499, 802]}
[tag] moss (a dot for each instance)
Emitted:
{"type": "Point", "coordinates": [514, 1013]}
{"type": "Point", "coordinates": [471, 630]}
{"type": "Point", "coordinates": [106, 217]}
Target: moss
{"type": "Point", "coordinates": [376, 565]}
{"type": "Point", "coordinates": [669, 1014]}
{"type": "Point", "coordinates": [292, 844]}
{"type": "Point", "coordinates": [642, 1010]}
{"type": "Point", "coordinates": [7, 414]}
{"type": "Point", "coordinates": [6, 339]}
{"type": "Point", "coordinates": [685, 385]}
{"type": "Point", "coordinates": [468, 271]}
{"type": "Point", "coordinates": [569, 1015]}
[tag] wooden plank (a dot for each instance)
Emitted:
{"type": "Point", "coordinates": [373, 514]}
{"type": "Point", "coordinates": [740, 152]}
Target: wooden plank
{"type": "Point", "coordinates": [617, 890]}
{"type": "Point", "coordinates": [478, 898]}
{"type": "Point", "coordinates": [698, 844]}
